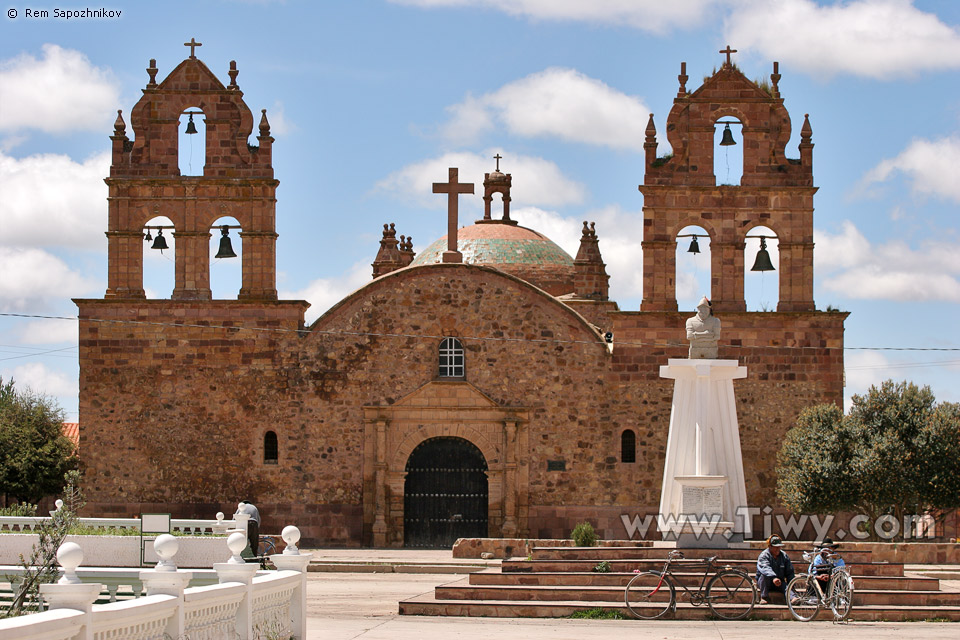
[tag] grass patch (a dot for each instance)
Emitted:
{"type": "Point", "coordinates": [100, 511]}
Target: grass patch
{"type": "Point", "coordinates": [598, 613]}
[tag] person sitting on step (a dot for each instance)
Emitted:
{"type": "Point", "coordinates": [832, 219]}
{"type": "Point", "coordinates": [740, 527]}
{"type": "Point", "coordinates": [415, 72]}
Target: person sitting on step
{"type": "Point", "coordinates": [774, 569]}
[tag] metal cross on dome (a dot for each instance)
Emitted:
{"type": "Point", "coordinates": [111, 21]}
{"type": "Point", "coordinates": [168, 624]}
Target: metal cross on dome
{"type": "Point", "coordinates": [193, 44]}
{"type": "Point", "coordinates": [498, 158]}
{"type": "Point", "coordinates": [453, 188]}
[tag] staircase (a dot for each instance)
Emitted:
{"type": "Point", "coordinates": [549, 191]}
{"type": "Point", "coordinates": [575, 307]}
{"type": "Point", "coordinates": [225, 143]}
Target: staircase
{"type": "Point", "coordinates": [558, 581]}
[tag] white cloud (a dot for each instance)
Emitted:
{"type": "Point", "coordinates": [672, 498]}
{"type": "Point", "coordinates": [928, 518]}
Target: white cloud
{"type": "Point", "coordinates": [931, 166]}
{"type": "Point", "coordinates": [60, 91]}
{"type": "Point", "coordinates": [881, 39]}
{"type": "Point", "coordinates": [648, 15]}
{"type": "Point", "coordinates": [33, 279]}
{"type": "Point", "coordinates": [43, 380]}
{"type": "Point", "coordinates": [50, 200]}
{"type": "Point", "coordinates": [323, 293]}
{"type": "Point", "coordinates": [857, 269]}
{"type": "Point", "coordinates": [542, 184]}
{"type": "Point", "coordinates": [560, 103]}
{"type": "Point", "coordinates": [50, 332]}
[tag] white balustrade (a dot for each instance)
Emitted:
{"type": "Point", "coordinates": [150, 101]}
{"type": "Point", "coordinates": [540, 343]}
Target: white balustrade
{"type": "Point", "coordinates": [181, 525]}
{"type": "Point", "coordinates": [247, 603]}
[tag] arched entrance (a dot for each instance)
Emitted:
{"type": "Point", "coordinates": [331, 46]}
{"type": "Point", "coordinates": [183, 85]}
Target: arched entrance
{"type": "Point", "coordinates": [445, 493]}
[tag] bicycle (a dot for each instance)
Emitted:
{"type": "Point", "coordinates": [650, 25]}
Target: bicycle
{"type": "Point", "coordinates": [265, 549]}
{"type": "Point", "coordinates": [730, 593]}
{"type": "Point", "coordinates": [805, 595]}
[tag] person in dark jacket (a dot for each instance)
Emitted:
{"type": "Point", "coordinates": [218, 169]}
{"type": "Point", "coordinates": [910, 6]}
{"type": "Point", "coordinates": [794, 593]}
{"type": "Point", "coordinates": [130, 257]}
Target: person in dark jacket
{"type": "Point", "coordinates": [774, 569]}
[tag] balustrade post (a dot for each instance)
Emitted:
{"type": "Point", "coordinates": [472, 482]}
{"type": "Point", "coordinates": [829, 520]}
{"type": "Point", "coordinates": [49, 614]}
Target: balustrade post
{"type": "Point", "coordinates": [69, 592]}
{"type": "Point", "coordinates": [237, 570]}
{"type": "Point", "coordinates": [292, 560]}
{"type": "Point", "coordinates": [166, 580]}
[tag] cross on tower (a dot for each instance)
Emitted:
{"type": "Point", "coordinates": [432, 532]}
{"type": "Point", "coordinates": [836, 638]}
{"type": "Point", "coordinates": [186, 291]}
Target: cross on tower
{"type": "Point", "coordinates": [193, 44]}
{"type": "Point", "coordinates": [453, 188]}
{"type": "Point", "coordinates": [728, 51]}
{"type": "Point", "coordinates": [498, 157]}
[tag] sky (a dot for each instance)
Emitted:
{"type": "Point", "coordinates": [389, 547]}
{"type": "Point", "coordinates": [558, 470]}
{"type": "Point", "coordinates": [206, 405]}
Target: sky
{"type": "Point", "coordinates": [371, 100]}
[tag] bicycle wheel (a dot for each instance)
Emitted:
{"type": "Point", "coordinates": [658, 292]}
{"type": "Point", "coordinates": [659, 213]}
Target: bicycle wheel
{"type": "Point", "coordinates": [731, 594]}
{"type": "Point", "coordinates": [841, 594]}
{"type": "Point", "coordinates": [649, 595]}
{"type": "Point", "coordinates": [267, 547]}
{"type": "Point", "coordinates": [802, 598]}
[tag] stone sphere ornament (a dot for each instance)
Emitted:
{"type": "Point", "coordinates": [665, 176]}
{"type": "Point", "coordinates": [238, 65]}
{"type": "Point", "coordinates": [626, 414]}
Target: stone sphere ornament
{"type": "Point", "coordinates": [69, 556]}
{"type": "Point", "coordinates": [166, 546]}
{"type": "Point", "coordinates": [291, 536]}
{"type": "Point", "coordinates": [236, 542]}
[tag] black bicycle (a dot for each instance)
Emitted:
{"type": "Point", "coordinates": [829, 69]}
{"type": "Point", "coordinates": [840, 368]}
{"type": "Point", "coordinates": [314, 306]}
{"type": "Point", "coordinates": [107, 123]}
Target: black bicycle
{"type": "Point", "coordinates": [730, 593]}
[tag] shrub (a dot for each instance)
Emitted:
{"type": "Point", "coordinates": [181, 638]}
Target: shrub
{"type": "Point", "coordinates": [583, 535]}
{"type": "Point", "coordinates": [602, 567]}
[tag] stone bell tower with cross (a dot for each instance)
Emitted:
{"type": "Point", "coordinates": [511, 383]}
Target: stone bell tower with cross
{"type": "Point", "coordinates": [775, 191]}
{"type": "Point", "coordinates": [237, 181]}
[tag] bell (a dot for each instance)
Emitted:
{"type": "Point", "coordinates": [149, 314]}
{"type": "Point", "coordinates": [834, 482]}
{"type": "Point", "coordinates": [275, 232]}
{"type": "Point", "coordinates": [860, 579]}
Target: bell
{"type": "Point", "coordinates": [762, 263]}
{"type": "Point", "coordinates": [160, 242]}
{"type": "Point", "coordinates": [226, 247]}
{"type": "Point", "coordinates": [726, 141]}
{"type": "Point", "coordinates": [192, 128]}
{"type": "Point", "coordinates": [147, 237]}
{"type": "Point", "coordinates": [694, 247]}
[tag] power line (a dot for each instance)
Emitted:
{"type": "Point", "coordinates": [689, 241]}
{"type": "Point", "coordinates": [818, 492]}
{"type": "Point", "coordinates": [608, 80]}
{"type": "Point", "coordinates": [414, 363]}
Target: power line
{"type": "Point", "coordinates": [304, 332]}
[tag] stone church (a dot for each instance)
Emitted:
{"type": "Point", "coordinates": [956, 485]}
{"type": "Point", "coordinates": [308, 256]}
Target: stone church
{"type": "Point", "coordinates": [487, 386]}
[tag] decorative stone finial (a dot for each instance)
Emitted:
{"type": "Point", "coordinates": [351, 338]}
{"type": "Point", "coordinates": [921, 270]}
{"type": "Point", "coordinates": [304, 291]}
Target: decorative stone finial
{"type": "Point", "coordinates": [683, 77]}
{"type": "Point", "coordinates": [69, 556]}
{"type": "Point", "coordinates": [651, 130]}
{"type": "Point", "coordinates": [233, 75]}
{"type": "Point", "coordinates": [291, 536]}
{"type": "Point", "coordinates": [236, 542]}
{"type": "Point", "coordinates": [166, 546]}
{"type": "Point", "coordinates": [152, 72]}
{"type": "Point", "coordinates": [119, 126]}
{"type": "Point", "coordinates": [775, 79]}
{"type": "Point", "coordinates": [264, 124]}
{"type": "Point", "coordinates": [806, 131]}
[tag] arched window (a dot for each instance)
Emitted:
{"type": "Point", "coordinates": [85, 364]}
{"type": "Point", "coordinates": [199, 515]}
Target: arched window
{"type": "Point", "coordinates": [628, 446]}
{"type": "Point", "coordinates": [271, 449]}
{"type": "Point", "coordinates": [451, 358]}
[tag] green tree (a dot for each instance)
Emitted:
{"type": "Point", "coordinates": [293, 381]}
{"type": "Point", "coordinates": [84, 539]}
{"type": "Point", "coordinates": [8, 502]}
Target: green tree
{"type": "Point", "coordinates": [897, 452]}
{"type": "Point", "coordinates": [34, 453]}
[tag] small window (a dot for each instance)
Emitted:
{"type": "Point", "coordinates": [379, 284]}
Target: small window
{"type": "Point", "coordinates": [271, 449]}
{"type": "Point", "coordinates": [628, 446]}
{"type": "Point", "coordinates": [451, 358]}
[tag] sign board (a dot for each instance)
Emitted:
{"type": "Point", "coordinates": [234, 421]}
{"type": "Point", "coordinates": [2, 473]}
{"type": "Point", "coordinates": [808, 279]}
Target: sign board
{"type": "Point", "coordinates": [154, 523]}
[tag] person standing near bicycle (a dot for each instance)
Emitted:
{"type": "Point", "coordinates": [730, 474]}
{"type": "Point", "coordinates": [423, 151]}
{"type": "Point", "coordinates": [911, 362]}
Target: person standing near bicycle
{"type": "Point", "coordinates": [774, 569]}
{"type": "Point", "coordinates": [824, 562]}
{"type": "Point", "coordinates": [253, 525]}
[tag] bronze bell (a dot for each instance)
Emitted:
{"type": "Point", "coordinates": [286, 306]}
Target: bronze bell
{"type": "Point", "coordinates": [726, 141]}
{"type": "Point", "coordinates": [192, 128]}
{"type": "Point", "coordinates": [226, 247]}
{"type": "Point", "coordinates": [147, 237]}
{"type": "Point", "coordinates": [694, 247]}
{"type": "Point", "coordinates": [160, 242]}
{"type": "Point", "coordinates": [762, 263]}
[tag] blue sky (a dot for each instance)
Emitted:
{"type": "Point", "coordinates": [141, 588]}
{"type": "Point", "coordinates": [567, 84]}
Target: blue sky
{"type": "Point", "coordinates": [370, 102]}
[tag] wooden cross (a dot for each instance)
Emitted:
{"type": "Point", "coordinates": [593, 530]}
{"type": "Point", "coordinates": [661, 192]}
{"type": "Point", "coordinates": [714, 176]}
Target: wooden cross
{"type": "Point", "coordinates": [453, 188]}
{"type": "Point", "coordinates": [193, 44]}
{"type": "Point", "coordinates": [498, 157]}
{"type": "Point", "coordinates": [728, 51]}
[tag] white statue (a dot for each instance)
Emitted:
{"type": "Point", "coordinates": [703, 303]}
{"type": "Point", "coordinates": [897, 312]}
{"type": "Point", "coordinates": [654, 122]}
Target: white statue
{"type": "Point", "coordinates": [703, 331]}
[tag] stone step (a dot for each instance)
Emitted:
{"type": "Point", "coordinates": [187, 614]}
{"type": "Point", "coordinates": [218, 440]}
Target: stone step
{"type": "Point", "coordinates": [430, 605]}
{"type": "Point", "coordinates": [463, 590]}
{"type": "Point", "coordinates": [660, 553]}
{"type": "Point", "coordinates": [543, 579]}
{"type": "Point", "coordinates": [519, 565]}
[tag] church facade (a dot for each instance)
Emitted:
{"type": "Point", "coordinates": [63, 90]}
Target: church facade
{"type": "Point", "coordinates": [486, 386]}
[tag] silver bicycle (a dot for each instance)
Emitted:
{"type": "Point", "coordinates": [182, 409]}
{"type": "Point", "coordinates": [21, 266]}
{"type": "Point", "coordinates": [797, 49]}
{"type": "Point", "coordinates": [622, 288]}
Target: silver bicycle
{"type": "Point", "coordinates": [805, 594]}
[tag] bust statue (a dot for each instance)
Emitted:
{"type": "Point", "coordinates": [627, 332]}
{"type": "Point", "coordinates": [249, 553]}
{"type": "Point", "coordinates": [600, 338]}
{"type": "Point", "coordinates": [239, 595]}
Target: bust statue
{"type": "Point", "coordinates": [703, 331]}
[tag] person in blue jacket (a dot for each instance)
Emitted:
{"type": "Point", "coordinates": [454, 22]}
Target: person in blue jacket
{"type": "Point", "coordinates": [824, 562]}
{"type": "Point", "coordinates": [774, 569]}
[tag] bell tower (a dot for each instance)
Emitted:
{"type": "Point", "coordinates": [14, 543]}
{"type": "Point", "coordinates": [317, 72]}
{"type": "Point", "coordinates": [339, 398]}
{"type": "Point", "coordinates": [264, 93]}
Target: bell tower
{"type": "Point", "coordinates": [774, 191]}
{"type": "Point", "coordinates": [237, 181]}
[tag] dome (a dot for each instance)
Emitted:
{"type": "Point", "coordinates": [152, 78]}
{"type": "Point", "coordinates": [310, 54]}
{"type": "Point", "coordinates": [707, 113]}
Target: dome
{"type": "Point", "coordinates": [516, 250]}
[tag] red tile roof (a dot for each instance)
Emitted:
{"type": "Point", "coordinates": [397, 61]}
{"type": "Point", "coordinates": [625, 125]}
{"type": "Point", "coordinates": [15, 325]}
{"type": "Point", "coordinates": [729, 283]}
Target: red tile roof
{"type": "Point", "coordinates": [72, 431]}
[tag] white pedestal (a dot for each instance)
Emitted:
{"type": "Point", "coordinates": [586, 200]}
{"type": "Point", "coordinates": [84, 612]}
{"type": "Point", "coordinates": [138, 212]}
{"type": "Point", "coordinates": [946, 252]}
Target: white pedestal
{"type": "Point", "coordinates": [703, 452]}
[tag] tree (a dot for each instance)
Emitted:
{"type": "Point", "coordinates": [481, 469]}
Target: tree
{"type": "Point", "coordinates": [896, 453]}
{"type": "Point", "coordinates": [34, 453]}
